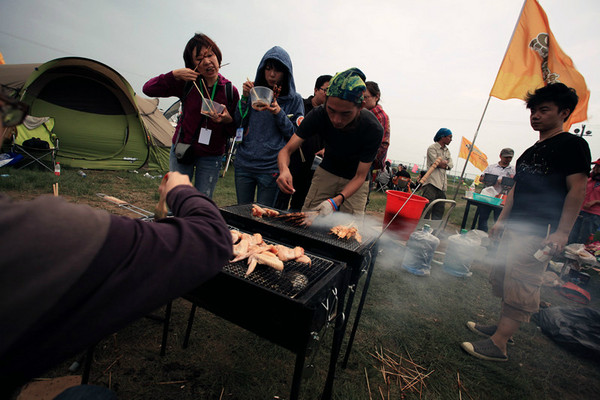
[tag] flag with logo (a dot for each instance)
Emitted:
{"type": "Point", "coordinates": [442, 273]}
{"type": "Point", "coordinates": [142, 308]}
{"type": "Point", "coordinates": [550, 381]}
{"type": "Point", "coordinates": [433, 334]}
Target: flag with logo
{"type": "Point", "coordinates": [534, 59]}
{"type": "Point", "coordinates": [477, 158]}
{"type": "Point", "coordinates": [415, 169]}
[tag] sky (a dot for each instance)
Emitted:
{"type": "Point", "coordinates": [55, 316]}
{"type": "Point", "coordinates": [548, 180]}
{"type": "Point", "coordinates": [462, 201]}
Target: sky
{"type": "Point", "coordinates": [435, 61]}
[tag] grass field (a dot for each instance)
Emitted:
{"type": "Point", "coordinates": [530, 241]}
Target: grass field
{"type": "Point", "coordinates": [420, 318]}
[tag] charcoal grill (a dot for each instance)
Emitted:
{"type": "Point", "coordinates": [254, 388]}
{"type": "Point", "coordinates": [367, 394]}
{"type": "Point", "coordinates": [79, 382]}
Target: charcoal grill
{"type": "Point", "coordinates": [360, 257]}
{"type": "Point", "coordinates": [287, 308]}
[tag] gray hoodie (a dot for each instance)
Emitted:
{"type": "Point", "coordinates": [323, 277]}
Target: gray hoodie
{"type": "Point", "coordinates": [265, 134]}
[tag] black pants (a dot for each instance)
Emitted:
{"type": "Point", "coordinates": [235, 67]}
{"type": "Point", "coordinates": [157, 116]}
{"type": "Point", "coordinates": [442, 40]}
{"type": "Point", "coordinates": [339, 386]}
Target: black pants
{"type": "Point", "coordinates": [432, 193]}
{"type": "Point", "coordinates": [484, 215]}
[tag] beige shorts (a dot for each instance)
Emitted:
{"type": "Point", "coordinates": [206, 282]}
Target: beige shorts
{"type": "Point", "coordinates": [325, 185]}
{"type": "Point", "coordinates": [517, 275]}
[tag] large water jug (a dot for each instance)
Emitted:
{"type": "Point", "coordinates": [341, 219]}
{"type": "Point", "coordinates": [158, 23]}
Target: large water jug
{"type": "Point", "coordinates": [421, 248]}
{"type": "Point", "coordinates": [460, 254]}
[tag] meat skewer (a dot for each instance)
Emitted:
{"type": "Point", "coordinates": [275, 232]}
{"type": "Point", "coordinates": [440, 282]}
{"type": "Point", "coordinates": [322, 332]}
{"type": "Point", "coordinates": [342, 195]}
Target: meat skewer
{"type": "Point", "coordinates": [300, 218]}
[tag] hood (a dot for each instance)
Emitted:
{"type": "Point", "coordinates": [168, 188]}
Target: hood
{"type": "Point", "coordinates": [279, 54]}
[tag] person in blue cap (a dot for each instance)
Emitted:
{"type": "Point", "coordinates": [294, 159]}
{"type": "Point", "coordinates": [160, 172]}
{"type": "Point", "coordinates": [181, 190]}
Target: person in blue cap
{"type": "Point", "coordinates": [437, 184]}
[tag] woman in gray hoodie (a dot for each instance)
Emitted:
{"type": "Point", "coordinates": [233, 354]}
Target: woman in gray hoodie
{"type": "Point", "coordinates": [266, 131]}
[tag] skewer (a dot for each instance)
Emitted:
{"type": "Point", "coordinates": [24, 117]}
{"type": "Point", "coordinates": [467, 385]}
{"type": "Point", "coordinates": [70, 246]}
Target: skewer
{"type": "Point", "coordinates": [252, 89]}
{"type": "Point", "coordinates": [368, 386]}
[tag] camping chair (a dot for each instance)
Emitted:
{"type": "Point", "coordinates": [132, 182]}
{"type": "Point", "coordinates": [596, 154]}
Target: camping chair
{"type": "Point", "coordinates": [35, 140]}
{"type": "Point", "coordinates": [437, 225]}
{"type": "Point", "coordinates": [382, 182]}
{"type": "Point", "coordinates": [401, 183]}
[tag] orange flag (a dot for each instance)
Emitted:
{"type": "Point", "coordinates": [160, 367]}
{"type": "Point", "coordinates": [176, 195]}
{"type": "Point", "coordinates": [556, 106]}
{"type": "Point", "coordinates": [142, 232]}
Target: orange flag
{"type": "Point", "coordinates": [478, 158]}
{"type": "Point", "coordinates": [534, 59]}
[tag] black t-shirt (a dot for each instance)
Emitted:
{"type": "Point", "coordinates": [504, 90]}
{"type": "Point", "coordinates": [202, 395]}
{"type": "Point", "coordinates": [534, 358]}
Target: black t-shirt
{"type": "Point", "coordinates": [541, 184]}
{"type": "Point", "coordinates": [344, 148]}
{"type": "Point", "coordinates": [403, 173]}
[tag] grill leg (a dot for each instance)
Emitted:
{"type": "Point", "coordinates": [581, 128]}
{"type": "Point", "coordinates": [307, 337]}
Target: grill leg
{"type": "Point", "coordinates": [163, 346]}
{"type": "Point", "coordinates": [87, 367]}
{"type": "Point", "coordinates": [336, 346]}
{"type": "Point", "coordinates": [359, 310]}
{"type": "Point", "coordinates": [298, 369]}
{"type": "Point", "coordinates": [188, 330]}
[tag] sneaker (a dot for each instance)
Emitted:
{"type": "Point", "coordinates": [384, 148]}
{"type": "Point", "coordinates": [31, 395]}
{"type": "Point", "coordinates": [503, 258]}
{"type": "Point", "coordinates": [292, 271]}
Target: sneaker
{"type": "Point", "coordinates": [484, 349]}
{"type": "Point", "coordinates": [485, 330]}
{"type": "Point", "coordinates": [417, 271]}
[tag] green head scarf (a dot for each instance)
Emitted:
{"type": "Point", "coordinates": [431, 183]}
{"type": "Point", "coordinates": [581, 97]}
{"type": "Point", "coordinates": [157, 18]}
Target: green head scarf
{"type": "Point", "coordinates": [348, 85]}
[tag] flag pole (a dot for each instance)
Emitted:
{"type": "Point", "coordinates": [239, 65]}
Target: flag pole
{"type": "Point", "coordinates": [460, 181]}
{"type": "Point", "coordinates": [462, 174]}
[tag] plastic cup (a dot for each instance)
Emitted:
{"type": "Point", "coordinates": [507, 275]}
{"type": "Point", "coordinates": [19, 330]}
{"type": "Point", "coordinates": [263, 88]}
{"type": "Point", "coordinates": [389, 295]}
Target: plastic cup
{"type": "Point", "coordinates": [211, 108]}
{"type": "Point", "coordinates": [261, 97]}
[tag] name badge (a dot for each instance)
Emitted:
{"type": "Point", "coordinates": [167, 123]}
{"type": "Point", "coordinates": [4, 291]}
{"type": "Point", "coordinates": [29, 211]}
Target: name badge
{"type": "Point", "coordinates": [204, 137]}
{"type": "Point", "coordinates": [239, 134]}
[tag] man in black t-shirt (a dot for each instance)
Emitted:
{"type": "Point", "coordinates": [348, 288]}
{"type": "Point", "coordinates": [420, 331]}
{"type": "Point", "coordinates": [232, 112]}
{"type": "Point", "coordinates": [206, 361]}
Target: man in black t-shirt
{"type": "Point", "coordinates": [301, 161]}
{"type": "Point", "coordinates": [351, 135]}
{"type": "Point", "coordinates": [540, 211]}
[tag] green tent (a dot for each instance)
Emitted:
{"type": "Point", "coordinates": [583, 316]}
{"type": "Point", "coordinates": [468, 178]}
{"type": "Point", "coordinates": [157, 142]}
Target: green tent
{"type": "Point", "coordinates": [99, 120]}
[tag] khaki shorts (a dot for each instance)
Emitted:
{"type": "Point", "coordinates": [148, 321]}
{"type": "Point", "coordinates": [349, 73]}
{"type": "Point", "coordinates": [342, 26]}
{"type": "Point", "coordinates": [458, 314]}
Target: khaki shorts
{"type": "Point", "coordinates": [517, 276]}
{"type": "Point", "coordinates": [325, 185]}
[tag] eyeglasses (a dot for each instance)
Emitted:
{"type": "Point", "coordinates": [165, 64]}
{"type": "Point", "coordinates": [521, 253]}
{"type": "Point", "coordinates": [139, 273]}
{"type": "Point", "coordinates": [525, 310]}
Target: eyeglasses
{"type": "Point", "coordinates": [13, 113]}
{"type": "Point", "coordinates": [323, 89]}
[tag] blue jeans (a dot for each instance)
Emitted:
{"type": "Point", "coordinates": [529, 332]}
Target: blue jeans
{"type": "Point", "coordinates": [249, 183]}
{"type": "Point", "coordinates": [207, 171]}
{"type": "Point", "coordinates": [586, 224]}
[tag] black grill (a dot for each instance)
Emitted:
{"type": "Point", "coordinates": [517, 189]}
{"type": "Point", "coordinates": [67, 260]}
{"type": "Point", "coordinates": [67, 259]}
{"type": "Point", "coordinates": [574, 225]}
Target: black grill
{"type": "Point", "coordinates": [360, 257]}
{"type": "Point", "coordinates": [284, 307]}
{"type": "Point", "coordinates": [316, 239]}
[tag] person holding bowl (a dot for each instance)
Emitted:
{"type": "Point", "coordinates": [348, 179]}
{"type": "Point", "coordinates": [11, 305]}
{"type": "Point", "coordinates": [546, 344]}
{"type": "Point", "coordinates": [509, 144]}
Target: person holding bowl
{"type": "Point", "coordinates": [200, 138]}
{"type": "Point", "coordinates": [267, 128]}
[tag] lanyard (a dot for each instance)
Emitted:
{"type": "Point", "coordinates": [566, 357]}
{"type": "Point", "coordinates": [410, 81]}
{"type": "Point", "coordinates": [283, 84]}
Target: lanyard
{"type": "Point", "coordinates": [214, 90]}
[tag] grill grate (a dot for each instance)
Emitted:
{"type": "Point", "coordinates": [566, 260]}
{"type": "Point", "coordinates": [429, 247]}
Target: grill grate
{"type": "Point", "coordinates": [318, 233]}
{"type": "Point", "coordinates": [295, 279]}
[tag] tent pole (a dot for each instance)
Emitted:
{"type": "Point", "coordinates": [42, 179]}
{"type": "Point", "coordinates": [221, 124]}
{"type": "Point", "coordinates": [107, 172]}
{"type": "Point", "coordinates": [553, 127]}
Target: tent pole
{"type": "Point", "coordinates": [460, 181]}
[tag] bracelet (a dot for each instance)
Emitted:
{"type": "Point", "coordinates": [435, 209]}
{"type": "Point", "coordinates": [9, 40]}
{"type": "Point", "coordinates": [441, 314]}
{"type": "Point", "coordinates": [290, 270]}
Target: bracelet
{"type": "Point", "coordinates": [343, 197]}
{"type": "Point", "coordinates": [335, 207]}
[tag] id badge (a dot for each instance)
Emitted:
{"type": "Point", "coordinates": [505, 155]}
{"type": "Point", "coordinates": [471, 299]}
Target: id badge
{"type": "Point", "coordinates": [239, 134]}
{"type": "Point", "coordinates": [204, 137]}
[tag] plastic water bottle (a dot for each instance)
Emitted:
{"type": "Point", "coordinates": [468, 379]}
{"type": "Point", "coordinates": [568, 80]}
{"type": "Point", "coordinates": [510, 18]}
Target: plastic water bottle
{"type": "Point", "coordinates": [57, 169]}
{"type": "Point", "coordinates": [83, 174]}
{"type": "Point", "coordinates": [460, 255]}
{"type": "Point", "coordinates": [469, 193]}
{"type": "Point", "coordinates": [421, 248]}
{"type": "Point", "coordinates": [316, 161]}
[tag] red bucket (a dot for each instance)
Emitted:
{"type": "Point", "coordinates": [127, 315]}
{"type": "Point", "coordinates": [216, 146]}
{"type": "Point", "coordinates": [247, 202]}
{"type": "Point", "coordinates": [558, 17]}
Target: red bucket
{"type": "Point", "coordinates": [406, 221]}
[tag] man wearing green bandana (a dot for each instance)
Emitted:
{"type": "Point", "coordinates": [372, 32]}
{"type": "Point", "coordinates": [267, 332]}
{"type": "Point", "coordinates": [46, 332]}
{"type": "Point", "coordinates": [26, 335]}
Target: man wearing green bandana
{"type": "Point", "coordinates": [351, 135]}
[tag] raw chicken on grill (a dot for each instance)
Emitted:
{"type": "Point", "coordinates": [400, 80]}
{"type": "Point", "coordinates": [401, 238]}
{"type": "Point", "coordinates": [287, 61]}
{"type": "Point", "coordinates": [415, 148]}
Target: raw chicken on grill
{"type": "Point", "coordinates": [257, 251]}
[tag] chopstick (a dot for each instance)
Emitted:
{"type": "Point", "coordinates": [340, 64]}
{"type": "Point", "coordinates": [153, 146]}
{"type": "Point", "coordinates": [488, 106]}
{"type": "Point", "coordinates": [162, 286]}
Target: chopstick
{"type": "Point", "coordinates": [254, 90]}
{"type": "Point", "coordinates": [209, 104]}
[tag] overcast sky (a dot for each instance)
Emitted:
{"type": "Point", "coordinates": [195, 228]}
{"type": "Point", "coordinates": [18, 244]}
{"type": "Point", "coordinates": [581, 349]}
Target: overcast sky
{"type": "Point", "coordinates": [435, 61]}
